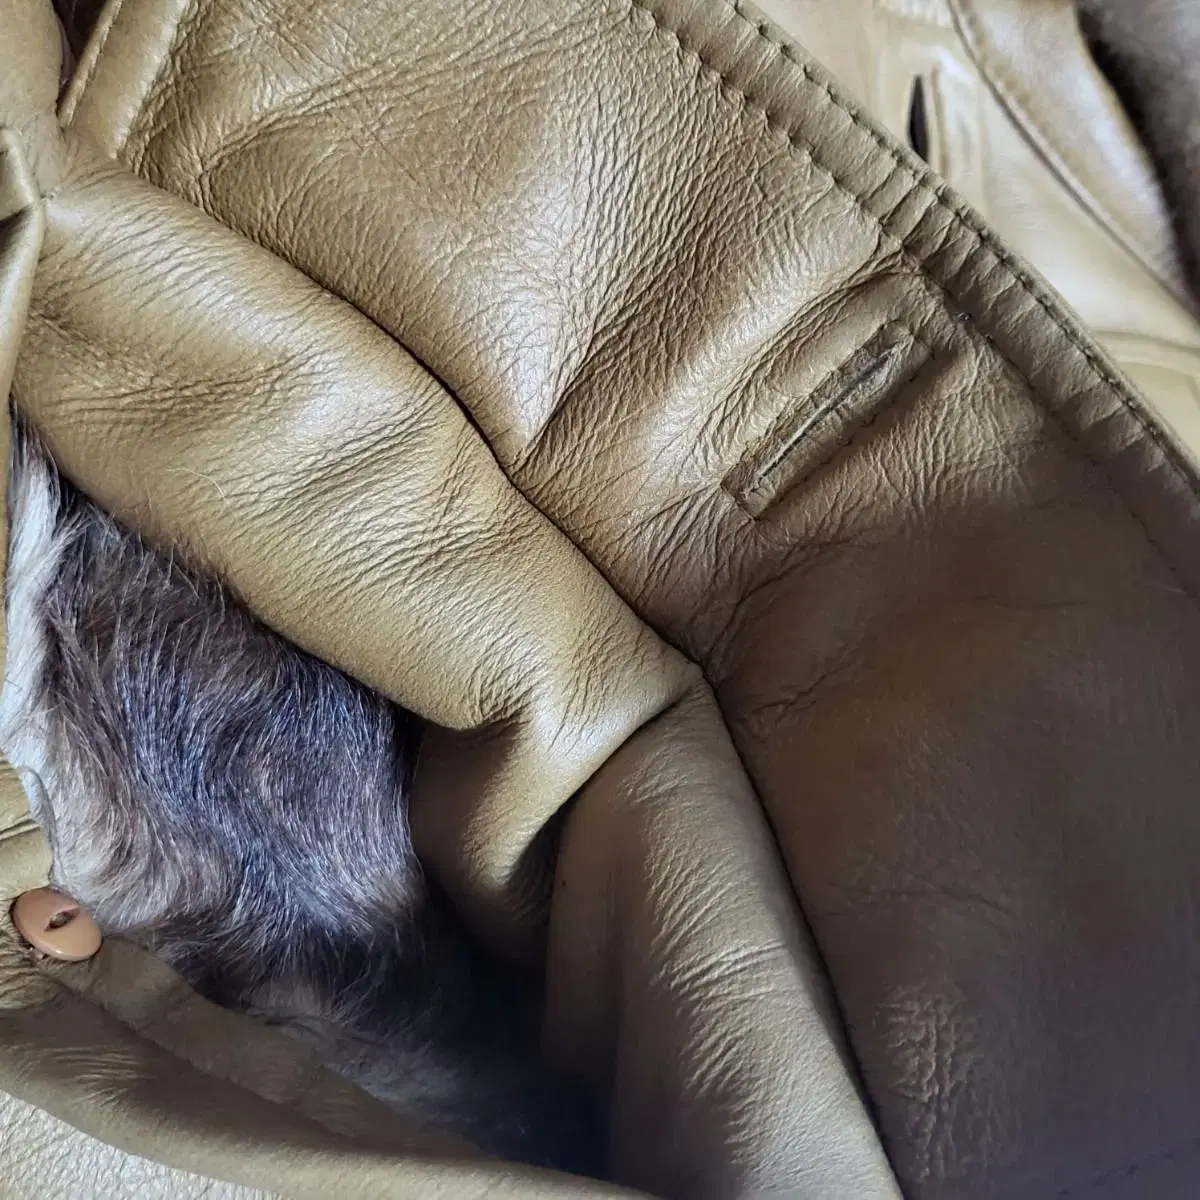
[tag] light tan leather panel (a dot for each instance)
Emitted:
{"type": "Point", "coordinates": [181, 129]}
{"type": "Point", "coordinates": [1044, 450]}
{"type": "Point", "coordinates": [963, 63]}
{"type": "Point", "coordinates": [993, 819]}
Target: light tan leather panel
{"type": "Point", "coordinates": [714, 1027]}
{"type": "Point", "coordinates": [45, 1158]}
{"type": "Point", "coordinates": [954, 633]}
{"type": "Point", "coordinates": [1034, 58]}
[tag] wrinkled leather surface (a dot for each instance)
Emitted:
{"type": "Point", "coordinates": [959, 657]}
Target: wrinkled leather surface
{"type": "Point", "coordinates": [22, 227]}
{"type": "Point", "coordinates": [140, 1063]}
{"type": "Point", "coordinates": [603, 361]}
{"type": "Point", "coordinates": [44, 1157]}
{"type": "Point", "coordinates": [29, 85]}
{"type": "Point", "coordinates": [714, 1029]}
{"type": "Point", "coordinates": [409, 473]}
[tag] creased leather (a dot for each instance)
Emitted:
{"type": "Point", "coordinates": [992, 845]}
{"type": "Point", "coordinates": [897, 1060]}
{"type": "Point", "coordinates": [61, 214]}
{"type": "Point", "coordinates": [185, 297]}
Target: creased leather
{"type": "Point", "coordinates": [598, 348]}
{"type": "Point", "coordinates": [22, 226]}
{"type": "Point", "coordinates": [30, 55]}
{"type": "Point", "coordinates": [242, 1105]}
{"type": "Point", "coordinates": [357, 486]}
{"type": "Point", "coordinates": [766, 1108]}
{"type": "Point", "coordinates": [45, 1159]}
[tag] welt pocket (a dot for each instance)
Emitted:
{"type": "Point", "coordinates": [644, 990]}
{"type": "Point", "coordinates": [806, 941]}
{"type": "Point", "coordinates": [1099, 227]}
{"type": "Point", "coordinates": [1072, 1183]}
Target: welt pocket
{"type": "Point", "coordinates": [808, 434]}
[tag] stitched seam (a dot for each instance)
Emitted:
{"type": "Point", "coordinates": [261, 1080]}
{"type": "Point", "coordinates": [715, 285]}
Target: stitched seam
{"type": "Point", "coordinates": [1016, 97]}
{"type": "Point", "coordinates": [834, 409]}
{"type": "Point", "coordinates": [855, 431]}
{"type": "Point", "coordinates": [983, 237]}
{"type": "Point", "coordinates": [918, 183]}
{"type": "Point", "coordinates": [931, 285]}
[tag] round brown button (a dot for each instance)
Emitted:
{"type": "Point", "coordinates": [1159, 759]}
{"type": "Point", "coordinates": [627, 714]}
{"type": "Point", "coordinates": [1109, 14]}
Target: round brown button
{"type": "Point", "coordinates": [54, 924]}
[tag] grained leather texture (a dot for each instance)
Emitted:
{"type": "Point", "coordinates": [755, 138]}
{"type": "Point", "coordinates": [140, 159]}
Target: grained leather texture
{"type": "Point", "coordinates": [726, 1046]}
{"type": "Point", "coordinates": [47, 1159]}
{"type": "Point", "coordinates": [22, 227]}
{"type": "Point", "coordinates": [29, 85]}
{"type": "Point", "coordinates": [127, 1055]}
{"type": "Point", "coordinates": [323, 348]}
{"type": "Point", "coordinates": [689, 453]}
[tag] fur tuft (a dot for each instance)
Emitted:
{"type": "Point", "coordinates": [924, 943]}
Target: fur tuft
{"type": "Point", "coordinates": [239, 808]}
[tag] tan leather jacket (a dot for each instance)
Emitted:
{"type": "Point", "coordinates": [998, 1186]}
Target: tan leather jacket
{"type": "Point", "coordinates": [598, 381]}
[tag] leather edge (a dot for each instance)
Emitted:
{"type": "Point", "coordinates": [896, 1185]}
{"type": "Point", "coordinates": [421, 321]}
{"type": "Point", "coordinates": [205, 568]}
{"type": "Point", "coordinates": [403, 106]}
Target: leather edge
{"type": "Point", "coordinates": [1153, 250]}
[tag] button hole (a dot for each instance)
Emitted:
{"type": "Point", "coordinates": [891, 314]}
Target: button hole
{"type": "Point", "coordinates": [918, 119]}
{"type": "Point", "coordinates": [64, 916]}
